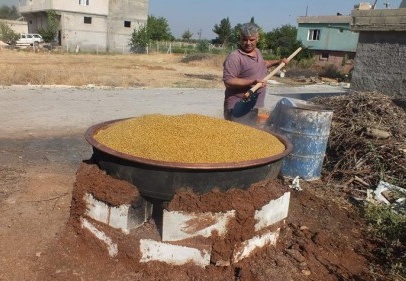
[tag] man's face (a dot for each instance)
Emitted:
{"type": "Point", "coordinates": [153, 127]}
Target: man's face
{"type": "Point", "coordinates": [249, 43]}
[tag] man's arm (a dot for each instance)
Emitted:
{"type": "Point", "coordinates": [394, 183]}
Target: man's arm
{"type": "Point", "coordinates": [270, 63]}
{"type": "Point", "coordinates": [236, 83]}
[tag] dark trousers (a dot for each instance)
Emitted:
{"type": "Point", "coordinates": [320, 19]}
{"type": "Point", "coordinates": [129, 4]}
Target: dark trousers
{"type": "Point", "coordinates": [249, 119]}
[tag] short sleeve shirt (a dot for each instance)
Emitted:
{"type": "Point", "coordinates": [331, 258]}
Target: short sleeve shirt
{"type": "Point", "coordinates": [240, 65]}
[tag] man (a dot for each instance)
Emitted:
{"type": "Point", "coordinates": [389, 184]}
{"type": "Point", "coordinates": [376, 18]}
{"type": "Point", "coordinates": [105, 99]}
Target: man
{"type": "Point", "coordinates": [243, 69]}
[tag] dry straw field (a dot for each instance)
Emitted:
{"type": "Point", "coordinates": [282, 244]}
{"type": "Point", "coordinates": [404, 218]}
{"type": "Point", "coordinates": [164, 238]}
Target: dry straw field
{"type": "Point", "coordinates": [23, 67]}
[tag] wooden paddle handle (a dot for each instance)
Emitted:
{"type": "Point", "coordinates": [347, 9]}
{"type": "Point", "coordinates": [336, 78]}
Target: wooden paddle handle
{"type": "Point", "coordinates": [273, 72]}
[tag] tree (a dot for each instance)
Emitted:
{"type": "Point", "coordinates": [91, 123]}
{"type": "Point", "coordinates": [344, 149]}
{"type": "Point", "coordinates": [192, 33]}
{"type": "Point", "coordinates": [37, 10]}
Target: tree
{"type": "Point", "coordinates": [139, 39]}
{"type": "Point", "coordinates": [49, 32]}
{"type": "Point", "coordinates": [223, 30]}
{"type": "Point", "coordinates": [282, 40]}
{"type": "Point", "coordinates": [9, 13]}
{"type": "Point", "coordinates": [187, 35]}
{"type": "Point", "coordinates": [158, 29]}
{"type": "Point", "coordinates": [8, 35]}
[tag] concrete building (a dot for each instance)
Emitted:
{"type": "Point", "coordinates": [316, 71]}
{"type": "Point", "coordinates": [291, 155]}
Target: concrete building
{"type": "Point", "coordinates": [330, 38]}
{"type": "Point", "coordinates": [380, 63]}
{"type": "Point", "coordinates": [18, 26]}
{"type": "Point", "coordinates": [89, 25]}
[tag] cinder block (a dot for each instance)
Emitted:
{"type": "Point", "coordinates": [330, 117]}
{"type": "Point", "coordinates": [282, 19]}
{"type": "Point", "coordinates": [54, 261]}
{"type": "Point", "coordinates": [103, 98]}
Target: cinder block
{"type": "Point", "coordinates": [111, 247]}
{"type": "Point", "coordinates": [273, 212]}
{"type": "Point", "coordinates": [244, 249]}
{"type": "Point", "coordinates": [124, 217]}
{"type": "Point", "coordinates": [152, 250]}
{"type": "Point", "coordinates": [179, 225]}
{"type": "Point", "coordinates": [119, 217]}
{"type": "Point", "coordinates": [96, 209]}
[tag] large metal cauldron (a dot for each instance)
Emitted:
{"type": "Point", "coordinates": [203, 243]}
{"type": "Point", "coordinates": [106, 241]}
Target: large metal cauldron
{"type": "Point", "coordinates": [160, 180]}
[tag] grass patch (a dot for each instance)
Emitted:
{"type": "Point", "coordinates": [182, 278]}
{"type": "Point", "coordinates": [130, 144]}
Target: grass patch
{"type": "Point", "coordinates": [389, 229]}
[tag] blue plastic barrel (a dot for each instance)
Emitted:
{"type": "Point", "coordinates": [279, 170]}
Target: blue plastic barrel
{"type": "Point", "coordinates": [307, 127]}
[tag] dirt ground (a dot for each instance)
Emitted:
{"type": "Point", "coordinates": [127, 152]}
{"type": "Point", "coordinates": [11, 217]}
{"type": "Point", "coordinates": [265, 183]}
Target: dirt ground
{"type": "Point", "coordinates": [323, 238]}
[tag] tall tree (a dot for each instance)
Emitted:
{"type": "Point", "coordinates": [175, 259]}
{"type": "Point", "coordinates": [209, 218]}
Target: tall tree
{"type": "Point", "coordinates": [282, 40]}
{"type": "Point", "coordinates": [9, 13]}
{"type": "Point", "coordinates": [158, 29]}
{"type": "Point", "coordinates": [223, 31]}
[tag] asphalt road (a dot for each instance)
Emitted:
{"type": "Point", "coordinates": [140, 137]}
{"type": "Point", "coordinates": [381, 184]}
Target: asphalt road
{"type": "Point", "coordinates": [35, 111]}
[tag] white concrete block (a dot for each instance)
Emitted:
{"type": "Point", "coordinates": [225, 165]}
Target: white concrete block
{"type": "Point", "coordinates": [247, 247]}
{"type": "Point", "coordinates": [119, 217]}
{"type": "Point", "coordinates": [179, 225]}
{"type": "Point", "coordinates": [124, 217]}
{"type": "Point", "coordinates": [96, 209]}
{"type": "Point", "coordinates": [152, 250]}
{"type": "Point", "coordinates": [273, 212]}
{"type": "Point", "coordinates": [111, 247]}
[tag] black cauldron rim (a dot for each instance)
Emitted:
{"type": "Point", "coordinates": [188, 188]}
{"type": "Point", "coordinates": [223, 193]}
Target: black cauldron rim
{"type": "Point", "coordinates": [92, 131]}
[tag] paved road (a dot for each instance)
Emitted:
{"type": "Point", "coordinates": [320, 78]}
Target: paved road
{"type": "Point", "coordinates": [30, 111]}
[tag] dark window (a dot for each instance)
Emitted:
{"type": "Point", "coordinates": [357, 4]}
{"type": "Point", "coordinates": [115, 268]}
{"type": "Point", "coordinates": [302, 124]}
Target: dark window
{"type": "Point", "coordinates": [127, 23]}
{"type": "Point", "coordinates": [87, 20]}
{"type": "Point", "coordinates": [324, 56]}
{"type": "Point", "coordinates": [314, 35]}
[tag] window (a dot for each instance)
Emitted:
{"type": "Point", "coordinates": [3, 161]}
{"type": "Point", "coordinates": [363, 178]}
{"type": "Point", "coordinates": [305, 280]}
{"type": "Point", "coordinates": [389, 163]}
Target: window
{"type": "Point", "coordinates": [84, 2]}
{"type": "Point", "coordinates": [314, 35]}
{"type": "Point", "coordinates": [87, 20]}
{"type": "Point", "coordinates": [127, 23]}
{"type": "Point", "coordinates": [324, 56]}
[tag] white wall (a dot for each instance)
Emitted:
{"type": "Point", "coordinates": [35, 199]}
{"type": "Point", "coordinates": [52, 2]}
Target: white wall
{"type": "Point", "coordinates": [99, 7]}
{"type": "Point", "coordinates": [88, 37]}
{"type": "Point", "coordinates": [17, 26]}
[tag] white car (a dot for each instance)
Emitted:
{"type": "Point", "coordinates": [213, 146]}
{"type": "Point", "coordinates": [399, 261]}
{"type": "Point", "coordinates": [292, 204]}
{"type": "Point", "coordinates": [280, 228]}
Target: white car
{"type": "Point", "coordinates": [30, 39]}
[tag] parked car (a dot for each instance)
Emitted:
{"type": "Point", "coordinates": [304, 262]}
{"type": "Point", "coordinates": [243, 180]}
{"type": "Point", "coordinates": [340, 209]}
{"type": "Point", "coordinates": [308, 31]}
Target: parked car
{"type": "Point", "coordinates": [30, 39]}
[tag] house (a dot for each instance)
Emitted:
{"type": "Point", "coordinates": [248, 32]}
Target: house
{"type": "Point", "coordinates": [88, 25]}
{"type": "Point", "coordinates": [330, 38]}
{"type": "Point", "coordinates": [381, 51]}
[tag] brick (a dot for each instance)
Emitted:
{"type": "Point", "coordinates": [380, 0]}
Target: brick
{"type": "Point", "coordinates": [273, 212]}
{"type": "Point", "coordinates": [111, 247]}
{"type": "Point", "coordinates": [152, 250]}
{"type": "Point", "coordinates": [244, 249]}
{"type": "Point", "coordinates": [182, 225]}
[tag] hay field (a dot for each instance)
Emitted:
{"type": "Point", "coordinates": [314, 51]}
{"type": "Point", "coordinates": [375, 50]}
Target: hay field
{"type": "Point", "coordinates": [24, 67]}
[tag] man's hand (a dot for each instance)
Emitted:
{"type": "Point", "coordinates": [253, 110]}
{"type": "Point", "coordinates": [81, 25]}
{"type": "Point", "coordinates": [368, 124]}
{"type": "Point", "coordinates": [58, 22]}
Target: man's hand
{"type": "Point", "coordinates": [256, 81]}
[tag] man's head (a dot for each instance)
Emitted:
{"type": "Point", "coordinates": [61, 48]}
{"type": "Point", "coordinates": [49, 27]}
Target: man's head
{"type": "Point", "coordinates": [249, 37]}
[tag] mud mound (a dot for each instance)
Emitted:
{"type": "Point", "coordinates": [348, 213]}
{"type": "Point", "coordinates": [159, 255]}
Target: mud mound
{"type": "Point", "coordinates": [321, 239]}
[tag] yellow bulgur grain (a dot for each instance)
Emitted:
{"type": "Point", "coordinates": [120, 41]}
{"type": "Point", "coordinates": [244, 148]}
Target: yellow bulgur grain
{"type": "Point", "coordinates": [188, 138]}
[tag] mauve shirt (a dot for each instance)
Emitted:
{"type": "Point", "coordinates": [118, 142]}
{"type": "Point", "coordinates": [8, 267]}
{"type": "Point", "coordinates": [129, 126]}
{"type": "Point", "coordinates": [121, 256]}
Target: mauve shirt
{"type": "Point", "coordinates": [239, 64]}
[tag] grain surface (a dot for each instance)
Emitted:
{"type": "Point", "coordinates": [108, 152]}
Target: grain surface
{"type": "Point", "coordinates": [188, 138]}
